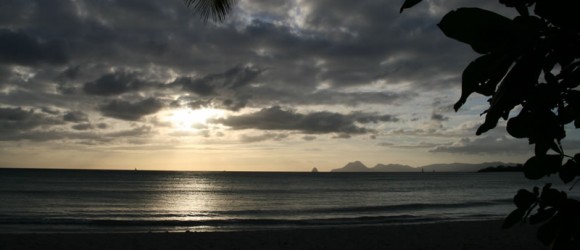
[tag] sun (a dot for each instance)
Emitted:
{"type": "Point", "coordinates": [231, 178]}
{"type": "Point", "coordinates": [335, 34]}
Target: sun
{"type": "Point", "coordinates": [188, 119]}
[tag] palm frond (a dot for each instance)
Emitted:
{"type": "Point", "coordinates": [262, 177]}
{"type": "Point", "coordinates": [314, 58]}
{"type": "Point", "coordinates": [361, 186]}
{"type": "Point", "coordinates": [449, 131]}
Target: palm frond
{"type": "Point", "coordinates": [216, 9]}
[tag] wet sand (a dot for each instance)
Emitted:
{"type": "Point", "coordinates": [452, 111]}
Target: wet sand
{"type": "Point", "coordinates": [451, 235]}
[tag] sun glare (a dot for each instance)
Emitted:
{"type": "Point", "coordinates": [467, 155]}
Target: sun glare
{"type": "Point", "coordinates": [188, 119]}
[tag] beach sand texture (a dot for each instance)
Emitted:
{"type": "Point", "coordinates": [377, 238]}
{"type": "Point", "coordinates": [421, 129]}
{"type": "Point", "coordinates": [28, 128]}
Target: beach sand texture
{"type": "Point", "coordinates": [450, 235]}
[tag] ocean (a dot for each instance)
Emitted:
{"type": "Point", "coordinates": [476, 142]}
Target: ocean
{"type": "Point", "coordinates": [158, 201]}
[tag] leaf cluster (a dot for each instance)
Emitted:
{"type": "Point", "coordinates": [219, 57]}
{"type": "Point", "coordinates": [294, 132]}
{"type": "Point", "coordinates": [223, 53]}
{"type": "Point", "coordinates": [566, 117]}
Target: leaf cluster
{"type": "Point", "coordinates": [557, 213]}
{"type": "Point", "coordinates": [529, 64]}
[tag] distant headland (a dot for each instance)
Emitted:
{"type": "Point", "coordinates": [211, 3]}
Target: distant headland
{"type": "Point", "coordinates": [357, 166]}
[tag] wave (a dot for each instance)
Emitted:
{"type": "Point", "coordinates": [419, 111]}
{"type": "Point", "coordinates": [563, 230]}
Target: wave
{"type": "Point", "coordinates": [371, 209]}
{"type": "Point", "coordinates": [152, 213]}
{"type": "Point", "coordinates": [146, 214]}
{"type": "Point", "coordinates": [144, 220]}
{"type": "Point", "coordinates": [136, 225]}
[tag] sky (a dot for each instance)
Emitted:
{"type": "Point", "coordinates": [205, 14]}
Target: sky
{"type": "Point", "coordinates": [280, 85]}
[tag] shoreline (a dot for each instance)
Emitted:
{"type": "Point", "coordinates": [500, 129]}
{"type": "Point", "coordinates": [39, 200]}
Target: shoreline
{"type": "Point", "coordinates": [444, 235]}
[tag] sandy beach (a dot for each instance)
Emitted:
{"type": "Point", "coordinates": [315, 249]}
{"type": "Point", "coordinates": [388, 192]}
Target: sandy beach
{"type": "Point", "coordinates": [450, 235]}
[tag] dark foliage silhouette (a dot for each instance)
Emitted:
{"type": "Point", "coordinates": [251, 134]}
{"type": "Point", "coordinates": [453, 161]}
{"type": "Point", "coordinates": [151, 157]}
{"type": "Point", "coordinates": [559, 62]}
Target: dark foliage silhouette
{"type": "Point", "coordinates": [530, 64]}
{"type": "Point", "coordinates": [216, 9]}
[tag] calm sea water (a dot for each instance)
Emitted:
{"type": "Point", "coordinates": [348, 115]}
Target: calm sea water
{"type": "Point", "coordinates": [129, 201]}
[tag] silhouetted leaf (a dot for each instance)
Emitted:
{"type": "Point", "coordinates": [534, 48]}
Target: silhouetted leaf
{"type": "Point", "coordinates": [577, 157]}
{"type": "Point", "coordinates": [563, 13]}
{"type": "Point", "coordinates": [570, 75]}
{"type": "Point", "coordinates": [542, 215]}
{"type": "Point", "coordinates": [408, 4]}
{"type": "Point", "coordinates": [541, 165]}
{"type": "Point", "coordinates": [484, 30]}
{"type": "Point", "coordinates": [513, 218]}
{"type": "Point", "coordinates": [524, 199]}
{"type": "Point", "coordinates": [547, 232]}
{"type": "Point", "coordinates": [512, 90]}
{"type": "Point", "coordinates": [544, 96]}
{"type": "Point", "coordinates": [543, 144]}
{"type": "Point", "coordinates": [482, 76]}
{"type": "Point", "coordinates": [523, 34]}
{"type": "Point", "coordinates": [569, 113]}
{"type": "Point", "coordinates": [568, 171]}
{"type": "Point", "coordinates": [552, 198]}
{"type": "Point", "coordinates": [520, 126]}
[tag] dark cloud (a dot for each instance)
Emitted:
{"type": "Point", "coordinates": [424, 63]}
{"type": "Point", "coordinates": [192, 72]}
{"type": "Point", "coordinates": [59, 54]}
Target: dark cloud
{"type": "Point", "coordinates": [79, 135]}
{"type": "Point", "coordinates": [438, 117]}
{"type": "Point", "coordinates": [225, 89]}
{"type": "Point", "coordinates": [50, 111]}
{"type": "Point", "coordinates": [76, 116]}
{"type": "Point", "coordinates": [263, 137]}
{"type": "Point", "coordinates": [102, 126]}
{"type": "Point", "coordinates": [17, 47]}
{"type": "Point", "coordinates": [19, 119]}
{"type": "Point", "coordinates": [231, 79]}
{"type": "Point", "coordinates": [198, 87]}
{"type": "Point", "coordinates": [276, 118]}
{"type": "Point", "coordinates": [366, 118]}
{"type": "Point", "coordinates": [485, 146]}
{"type": "Point", "coordinates": [115, 84]}
{"type": "Point", "coordinates": [409, 146]}
{"type": "Point", "coordinates": [82, 126]}
{"type": "Point", "coordinates": [131, 111]}
{"type": "Point", "coordinates": [298, 96]}
{"type": "Point", "coordinates": [140, 131]}
{"type": "Point", "coordinates": [309, 138]}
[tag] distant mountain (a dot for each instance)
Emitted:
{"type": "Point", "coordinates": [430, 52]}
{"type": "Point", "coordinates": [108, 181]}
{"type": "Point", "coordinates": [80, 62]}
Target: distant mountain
{"type": "Point", "coordinates": [462, 167]}
{"type": "Point", "coordinates": [502, 168]}
{"type": "Point", "coordinates": [358, 166]}
{"type": "Point", "coordinates": [394, 168]}
{"type": "Point", "coordinates": [355, 166]}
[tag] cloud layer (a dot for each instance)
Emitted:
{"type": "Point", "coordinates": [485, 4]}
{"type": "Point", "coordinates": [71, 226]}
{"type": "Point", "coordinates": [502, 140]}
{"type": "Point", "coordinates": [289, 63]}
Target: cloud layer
{"type": "Point", "coordinates": [114, 73]}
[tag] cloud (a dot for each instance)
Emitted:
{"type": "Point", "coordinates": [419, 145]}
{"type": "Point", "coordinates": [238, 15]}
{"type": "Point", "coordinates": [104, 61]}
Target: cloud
{"type": "Point", "coordinates": [79, 134]}
{"type": "Point", "coordinates": [76, 116]}
{"type": "Point", "coordinates": [224, 87]}
{"type": "Point", "coordinates": [366, 118]}
{"type": "Point", "coordinates": [234, 78]}
{"type": "Point", "coordinates": [292, 95]}
{"type": "Point", "coordinates": [19, 119]}
{"type": "Point", "coordinates": [82, 126]}
{"type": "Point", "coordinates": [140, 131]}
{"type": "Point", "coordinates": [115, 84]}
{"type": "Point", "coordinates": [421, 144]}
{"type": "Point", "coordinates": [130, 111]}
{"type": "Point", "coordinates": [263, 137]}
{"type": "Point", "coordinates": [18, 47]}
{"type": "Point", "coordinates": [438, 117]}
{"type": "Point", "coordinates": [276, 118]}
{"type": "Point", "coordinates": [486, 146]}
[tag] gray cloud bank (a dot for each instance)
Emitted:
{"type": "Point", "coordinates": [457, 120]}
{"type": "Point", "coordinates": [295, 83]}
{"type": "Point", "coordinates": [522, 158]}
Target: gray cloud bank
{"type": "Point", "coordinates": [276, 118]}
{"type": "Point", "coordinates": [72, 69]}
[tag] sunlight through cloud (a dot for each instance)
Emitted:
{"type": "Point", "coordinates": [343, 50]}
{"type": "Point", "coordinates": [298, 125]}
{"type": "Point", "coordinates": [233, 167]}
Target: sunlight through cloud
{"type": "Point", "coordinates": [188, 119]}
